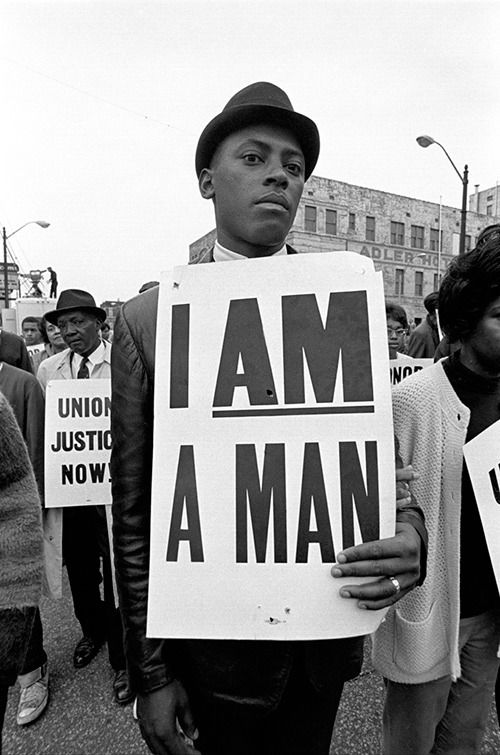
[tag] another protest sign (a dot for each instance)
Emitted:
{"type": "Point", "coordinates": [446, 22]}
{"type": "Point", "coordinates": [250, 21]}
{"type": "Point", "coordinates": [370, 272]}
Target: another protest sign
{"type": "Point", "coordinates": [404, 366]}
{"type": "Point", "coordinates": [273, 446]}
{"type": "Point", "coordinates": [77, 442]}
{"type": "Point", "coordinates": [482, 455]}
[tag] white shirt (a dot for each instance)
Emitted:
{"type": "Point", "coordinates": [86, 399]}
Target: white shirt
{"type": "Point", "coordinates": [221, 254]}
{"type": "Point", "coordinates": [97, 358]}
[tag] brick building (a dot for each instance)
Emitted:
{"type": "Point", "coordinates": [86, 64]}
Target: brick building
{"type": "Point", "coordinates": [410, 240]}
{"type": "Point", "coordinates": [111, 308]}
{"type": "Point", "coordinates": [486, 202]}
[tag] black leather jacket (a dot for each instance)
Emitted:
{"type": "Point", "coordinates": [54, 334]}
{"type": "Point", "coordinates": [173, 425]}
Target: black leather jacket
{"type": "Point", "coordinates": [251, 672]}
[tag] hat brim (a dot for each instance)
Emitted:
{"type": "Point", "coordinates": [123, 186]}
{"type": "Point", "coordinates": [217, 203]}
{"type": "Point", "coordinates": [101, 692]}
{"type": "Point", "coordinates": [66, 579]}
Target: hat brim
{"type": "Point", "coordinates": [54, 314]}
{"type": "Point", "coordinates": [227, 122]}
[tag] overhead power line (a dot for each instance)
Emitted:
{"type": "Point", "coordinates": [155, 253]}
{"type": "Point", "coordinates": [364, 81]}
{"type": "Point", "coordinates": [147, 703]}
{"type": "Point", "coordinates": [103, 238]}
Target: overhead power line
{"type": "Point", "coordinates": [92, 96]}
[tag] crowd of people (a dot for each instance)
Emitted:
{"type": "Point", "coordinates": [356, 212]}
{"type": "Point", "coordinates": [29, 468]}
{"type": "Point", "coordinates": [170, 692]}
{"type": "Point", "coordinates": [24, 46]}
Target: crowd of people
{"type": "Point", "coordinates": [438, 646]}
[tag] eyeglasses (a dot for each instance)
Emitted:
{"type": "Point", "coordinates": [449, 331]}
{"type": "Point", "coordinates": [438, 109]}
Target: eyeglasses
{"type": "Point", "coordinates": [397, 331]}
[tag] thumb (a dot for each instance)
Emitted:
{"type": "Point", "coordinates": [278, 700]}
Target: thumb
{"type": "Point", "coordinates": [186, 720]}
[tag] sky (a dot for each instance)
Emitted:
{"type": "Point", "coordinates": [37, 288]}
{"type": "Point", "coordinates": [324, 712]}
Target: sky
{"type": "Point", "coordinates": [102, 103]}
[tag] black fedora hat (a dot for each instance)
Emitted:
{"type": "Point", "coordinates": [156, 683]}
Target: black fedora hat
{"type": "Point", "coordinates": [74, 298]}
{"type": "Point", "coordinates": [258, 103]}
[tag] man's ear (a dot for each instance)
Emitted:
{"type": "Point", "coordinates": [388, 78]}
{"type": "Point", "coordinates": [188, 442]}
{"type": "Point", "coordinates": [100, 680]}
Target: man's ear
{"type": "Point", "coordinates": [205, 184]}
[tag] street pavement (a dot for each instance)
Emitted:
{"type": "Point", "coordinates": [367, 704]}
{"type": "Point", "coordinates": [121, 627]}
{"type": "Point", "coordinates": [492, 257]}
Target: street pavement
{"type": "Point", "coordinates": [82, 718]}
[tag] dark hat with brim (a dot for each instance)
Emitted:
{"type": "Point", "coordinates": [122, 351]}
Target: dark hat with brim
{"type": "Point", "coordinates": [71, 299]}
{"type": "Point", "coordinates": [259, 103]}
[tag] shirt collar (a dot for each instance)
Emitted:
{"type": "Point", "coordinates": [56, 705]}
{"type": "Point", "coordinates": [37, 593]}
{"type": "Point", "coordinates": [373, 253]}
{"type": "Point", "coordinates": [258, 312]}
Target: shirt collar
{"type": "Point", "coordinates": [98, 356]}
{"type": "Point", "coordinates": [221, 254]}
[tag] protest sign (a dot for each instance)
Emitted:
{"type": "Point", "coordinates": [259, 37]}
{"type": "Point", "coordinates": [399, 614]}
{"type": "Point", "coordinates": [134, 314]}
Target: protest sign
{"type": "Point", "coordinates": [77, 442]}
{"type": "Point", "coordinates": [273, 446]}
{"type": "Point", "coordinates": [404, 366]}
{"type": "Point", "coordinates": [482, 456]}
{"type": "Point", "coordinates": [35, 353]}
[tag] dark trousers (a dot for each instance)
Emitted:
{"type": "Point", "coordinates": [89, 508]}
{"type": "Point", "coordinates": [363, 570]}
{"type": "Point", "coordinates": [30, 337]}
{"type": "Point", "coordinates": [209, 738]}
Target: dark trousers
{"type": "Point", "coordinates": [15, 628]}
{"type": "Point", "coordinates": [497, 697]}
{"type": "Point", "coordinates": [53, 289]}
{"type": "Point", "coordinates": [35, 653]}
{"type": "Point", "coordinates": [85, 544]}
{"type": "Point", "coordinates": [4, 694]}
{"type": "Point", "coordinates": [301, 724]}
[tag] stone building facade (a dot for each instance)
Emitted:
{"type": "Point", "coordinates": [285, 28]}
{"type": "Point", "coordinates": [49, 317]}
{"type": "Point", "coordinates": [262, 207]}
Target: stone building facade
{"type": "Point", "coordinates": [486, 202]}
{"type": "Point", "coordinates": [410, 240]}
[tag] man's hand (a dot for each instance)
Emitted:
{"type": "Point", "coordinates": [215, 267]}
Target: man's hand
{"type": "Point", "coordinates": [404, 475]}
{"type": "Point", "coordinates": [158, 713]}
{"type": "Point", "coordinates": [397, 557]}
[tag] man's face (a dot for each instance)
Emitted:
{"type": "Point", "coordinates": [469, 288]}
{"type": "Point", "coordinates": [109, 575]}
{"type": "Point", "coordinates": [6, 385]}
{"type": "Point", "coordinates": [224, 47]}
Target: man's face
{"type": "Point", "coordinates": [80, 331]}
{"type": "Point", "coordinates": [256, 179]}
{"type": "Point", "coordinates": [31, 334]}
{"type": "Point", "coordinates": [481, 350]}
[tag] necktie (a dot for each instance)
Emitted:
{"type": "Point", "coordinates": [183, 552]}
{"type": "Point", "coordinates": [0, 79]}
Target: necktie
{"type": "Point", "coordinates": [83, 370]}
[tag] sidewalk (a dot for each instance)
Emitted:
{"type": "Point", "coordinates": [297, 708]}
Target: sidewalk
{"type": "Point", "coordinates": [82, 718]}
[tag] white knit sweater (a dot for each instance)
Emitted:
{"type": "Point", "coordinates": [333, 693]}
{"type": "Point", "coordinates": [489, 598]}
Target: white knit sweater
{"type": "Point", "coordinates": [418, 641]}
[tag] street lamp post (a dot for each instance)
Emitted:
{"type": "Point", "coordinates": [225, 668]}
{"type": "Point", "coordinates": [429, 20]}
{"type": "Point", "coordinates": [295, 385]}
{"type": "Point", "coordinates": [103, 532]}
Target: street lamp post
{"type": "Point", "coordinates": [426, 141]}
{"type": "Point", "coordinates": [42, 224]}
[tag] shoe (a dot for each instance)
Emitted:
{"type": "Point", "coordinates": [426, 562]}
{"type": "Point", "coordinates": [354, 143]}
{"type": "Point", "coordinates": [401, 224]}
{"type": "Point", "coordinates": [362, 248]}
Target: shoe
{"type": "Point", "coordinates": [33, 699]}
{"type": "Point", "coordinates": [121, 690]}
{"type": "Point", "coordinates": [86, 650]}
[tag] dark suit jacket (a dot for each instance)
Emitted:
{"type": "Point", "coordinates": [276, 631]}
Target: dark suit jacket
{"type": "Point", "coordinates": [13, 351]}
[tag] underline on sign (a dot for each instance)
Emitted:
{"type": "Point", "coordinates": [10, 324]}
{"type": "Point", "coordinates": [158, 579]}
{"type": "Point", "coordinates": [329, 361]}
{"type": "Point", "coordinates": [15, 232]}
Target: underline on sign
{"type": "Point", "coordinates": [293, 411]}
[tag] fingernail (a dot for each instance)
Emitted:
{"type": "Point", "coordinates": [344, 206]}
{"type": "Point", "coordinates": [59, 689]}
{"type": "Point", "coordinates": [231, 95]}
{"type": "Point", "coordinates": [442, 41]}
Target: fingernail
{"type": "Point", "coordinates": [341, 558]}
{"type": "Point", "coordinates": [362, 605]}
{"type": "Point", "coordinates": [345, 594]}
{"type": "Point", "coordinates": [336, 572]}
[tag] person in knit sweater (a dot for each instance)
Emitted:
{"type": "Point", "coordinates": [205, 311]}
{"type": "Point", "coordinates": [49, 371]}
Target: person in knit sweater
{"type": "Point", "coordinates": [21, 551]}
{"type": "Point", "coordinates": [438, 648]}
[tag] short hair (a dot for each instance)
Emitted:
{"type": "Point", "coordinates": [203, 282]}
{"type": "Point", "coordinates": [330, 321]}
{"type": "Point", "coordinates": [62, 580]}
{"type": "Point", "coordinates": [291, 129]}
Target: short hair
{"type": "Point", "coordinates": [31, 318]}
{"type": "Point", "coordinates": [471, 283]}
{"type": "Point", "coordinates": [397, 313]}
{"type": "Point", "coordinates": [148, 285]}
{"type": "Point", "coordinates": [43, 330]}
{"type": "Point", "coordinates": [431, 302]}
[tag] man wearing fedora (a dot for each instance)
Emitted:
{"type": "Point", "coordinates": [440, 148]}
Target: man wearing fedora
{"type": "Point", "coordinates": [233, 697]}
{"type": "Point", "coordinates": [85, 537]}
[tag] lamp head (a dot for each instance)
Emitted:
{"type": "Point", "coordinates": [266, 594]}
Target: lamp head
{"type": "Point", "coordinates": [425, 141]}
{"type": "Point", "coordinates": [42, 223]}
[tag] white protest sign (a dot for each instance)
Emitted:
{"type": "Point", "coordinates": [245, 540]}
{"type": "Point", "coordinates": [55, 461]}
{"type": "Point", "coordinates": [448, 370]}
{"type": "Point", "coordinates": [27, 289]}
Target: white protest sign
{"type": "Point", "coordinates": [404, 366]}
{"type": "Point", "coordinates": [77, 442]}
{"type": "Point", "coordinates": [273, 446]}
{"type": "Point", "coordinates": [482, 455]}
{"type": "Point", "coordinates": [35, 354]}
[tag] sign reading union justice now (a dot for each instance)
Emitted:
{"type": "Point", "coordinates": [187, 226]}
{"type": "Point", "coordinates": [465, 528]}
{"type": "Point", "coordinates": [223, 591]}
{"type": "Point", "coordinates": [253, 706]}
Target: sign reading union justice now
{"type": "Point", "coordinates": [77, 442]}
{"type": "Point", "coordinates": [273, 446]}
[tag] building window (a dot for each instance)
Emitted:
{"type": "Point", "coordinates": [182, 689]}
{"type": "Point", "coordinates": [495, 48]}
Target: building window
{"type": "Point", "coordinates": [331, 222]}
{"type": "Point", "coordinates": [417, 236]}
{"type": "Point", "coordinates": [397, 233]}
{"type": "Point", "coordinates": [352, 221]}
{"type": "Point", "coordinates": [419, 283]}
{"type": "Point", "coordinates": [467, 243]}
{"type": "Point", "coordinates": [370, 228]}
{"type": "Point", "coordinates": [437, 282]}
{"type": "Point", "coordinates": [399, 281]}
{"type": "Point", "coordinates": [434, 240]}
{"type": "Point", "coordinates": [310, 219]}
{"type": "Point", "coordinates": [489, 209]}
{"type": "Point", "coordinates": [489, 198]}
